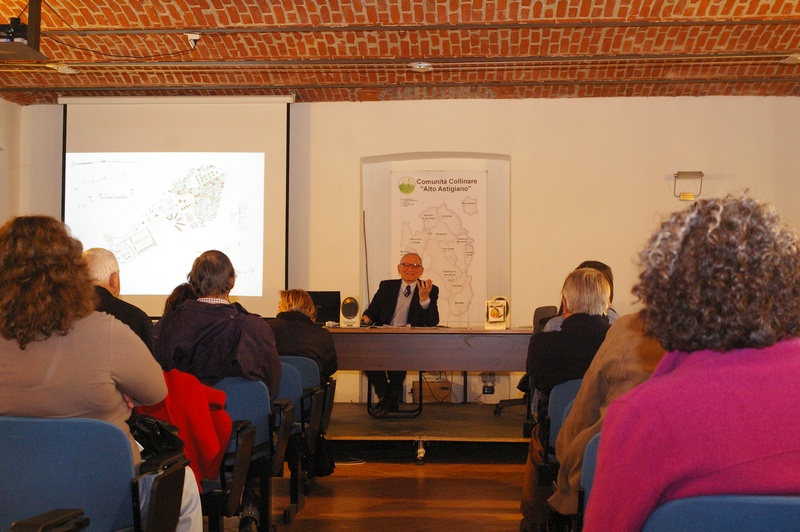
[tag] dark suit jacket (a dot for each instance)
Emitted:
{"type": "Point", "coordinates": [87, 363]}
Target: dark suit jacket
{"type": "Point", "coordinates": [130, 315]}
{"type": "Point", "coordinates": [381, 309]}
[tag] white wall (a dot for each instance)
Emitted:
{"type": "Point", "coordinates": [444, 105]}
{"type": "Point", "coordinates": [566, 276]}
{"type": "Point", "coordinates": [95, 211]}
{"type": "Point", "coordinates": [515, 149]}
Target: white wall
{"type": "Point", "coordinates": [590, 178]}
{"type": "Point", "coordinates": [9, 158]}
{"type": "Point", "coordinates": [31, 137]}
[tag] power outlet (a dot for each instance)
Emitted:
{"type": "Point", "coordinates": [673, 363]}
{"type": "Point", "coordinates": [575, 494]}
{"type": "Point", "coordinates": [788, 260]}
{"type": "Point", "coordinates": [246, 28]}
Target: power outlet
{"type": "Point", "coordinates": [488, 390]}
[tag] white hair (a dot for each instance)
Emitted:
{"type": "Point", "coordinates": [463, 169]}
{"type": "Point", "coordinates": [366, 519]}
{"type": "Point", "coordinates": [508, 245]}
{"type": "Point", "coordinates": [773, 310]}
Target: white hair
{"type": "Point", "coordinates": [102, 264]}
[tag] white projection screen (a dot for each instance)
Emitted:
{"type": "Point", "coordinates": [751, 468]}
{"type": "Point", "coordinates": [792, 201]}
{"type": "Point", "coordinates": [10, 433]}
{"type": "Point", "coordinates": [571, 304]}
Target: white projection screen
{"type": "Point", "coordinates": [160, 180]}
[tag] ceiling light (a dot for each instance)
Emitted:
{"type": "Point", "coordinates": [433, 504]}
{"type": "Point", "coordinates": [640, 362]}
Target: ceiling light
{"type": "Point", "coordinates": [420, 66]}
{"type": "Point", "coordinates": [793, 59]}
{"type": "Point", "coordinates": [62, 69]}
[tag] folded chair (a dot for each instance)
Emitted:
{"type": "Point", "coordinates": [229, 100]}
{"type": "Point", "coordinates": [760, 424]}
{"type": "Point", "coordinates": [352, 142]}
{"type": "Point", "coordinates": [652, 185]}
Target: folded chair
{"type": "Point", "coordinates": [312, 410]}
{"type": "Point", "coordinates": [587, 478]}
{"type": "Point", "coordinates": [223, 497]}
{"type": "Point", "coordinates": [559, 399]}
{"type": "Point", "coordinates": [249, 401]}
{"type": "Point", "coordinates": [291, 388]}
{"type": "Point", "coordinates": [72, 463]}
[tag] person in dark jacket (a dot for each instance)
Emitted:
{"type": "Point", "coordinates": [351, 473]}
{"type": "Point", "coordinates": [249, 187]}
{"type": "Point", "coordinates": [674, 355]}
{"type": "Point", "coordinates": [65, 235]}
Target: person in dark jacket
{"type": "Point", "coordinates": [104, 269]}
{"type": "Point", "coordinates": [212, 338]}
{"type": "Point", "coordinates": [297, 334]}
{"type": "Point", "coordinates": [556, 357]}
{"type": "Point", "coordinates": [408, 301]}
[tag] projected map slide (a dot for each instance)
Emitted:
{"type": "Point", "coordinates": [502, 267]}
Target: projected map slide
{"type": "Point", "coordinates": [158, 211]}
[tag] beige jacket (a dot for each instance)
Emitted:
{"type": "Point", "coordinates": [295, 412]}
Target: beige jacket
{"type": "Point", "coordinates": [82, 374]}
{"type": "Point", "coordinates": [626, 359]}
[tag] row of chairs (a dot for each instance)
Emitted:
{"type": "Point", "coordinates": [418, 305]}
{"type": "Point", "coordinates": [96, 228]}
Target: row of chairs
{"type": "Point", "coordinates": [287, 433]}
{"type": "Point", "coordinates": [84, 467]}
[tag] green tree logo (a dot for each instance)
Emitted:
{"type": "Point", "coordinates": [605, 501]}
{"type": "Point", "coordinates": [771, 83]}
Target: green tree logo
{"type": "Point", "coordinates": [406, 185]}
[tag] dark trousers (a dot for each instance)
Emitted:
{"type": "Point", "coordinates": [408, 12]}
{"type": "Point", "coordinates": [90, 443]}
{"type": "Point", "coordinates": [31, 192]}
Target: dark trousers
{"type": "Point", "coordinates": [388, 384]}
{"type": "Point", "coordinates": [535, 510]}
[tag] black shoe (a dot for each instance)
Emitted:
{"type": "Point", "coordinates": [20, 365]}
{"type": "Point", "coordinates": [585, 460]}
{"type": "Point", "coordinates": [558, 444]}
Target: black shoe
{"type": "Point", "coordinates": [380, 410]}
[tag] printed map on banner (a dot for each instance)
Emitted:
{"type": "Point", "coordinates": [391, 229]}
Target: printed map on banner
{"type": "Point", "coordinates": [441, 215]}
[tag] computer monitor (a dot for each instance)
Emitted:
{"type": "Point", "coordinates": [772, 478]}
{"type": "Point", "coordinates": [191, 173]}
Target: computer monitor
{"type": "Point", "coordinates": [327, 304]}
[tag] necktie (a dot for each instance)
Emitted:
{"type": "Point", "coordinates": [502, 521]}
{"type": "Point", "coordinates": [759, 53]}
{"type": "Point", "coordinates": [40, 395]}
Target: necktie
{"type": "Point", "coordinates": [407, 291]}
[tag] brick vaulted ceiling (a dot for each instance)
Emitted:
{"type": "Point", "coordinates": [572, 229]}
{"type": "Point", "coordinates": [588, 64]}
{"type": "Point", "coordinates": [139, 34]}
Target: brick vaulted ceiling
{"type": "Point", "coordinates": [360, 50]}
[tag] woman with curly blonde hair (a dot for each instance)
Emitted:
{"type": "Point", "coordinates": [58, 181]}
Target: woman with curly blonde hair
{"type": "Point", "coordinates": [720, 284]}
{"type": "Point", "coordinates": [58, 357]}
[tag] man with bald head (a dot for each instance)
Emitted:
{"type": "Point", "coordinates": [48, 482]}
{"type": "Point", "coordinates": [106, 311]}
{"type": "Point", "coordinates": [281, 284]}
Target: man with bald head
{"type": "Point", "coordinates": [408, 301]}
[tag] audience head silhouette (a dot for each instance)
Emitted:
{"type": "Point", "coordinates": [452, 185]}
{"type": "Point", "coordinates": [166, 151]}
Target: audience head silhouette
{"type": "Point", "coordinates": [104, 269]}
{"type": "Point", "coordinates": [298, 300]}
{"type": "Point", "coordinates": [586, 290]}
{"type": "Point", "coordinates": [179, 294]}
{"type": "Point", "coordinates": [603, 268]}
{"type": "Point", "coordinates": [44, 282]}
{"type": "Point", "coordinates": [212, 275]}
{"type": "Point", "coordinates": [723, 274]}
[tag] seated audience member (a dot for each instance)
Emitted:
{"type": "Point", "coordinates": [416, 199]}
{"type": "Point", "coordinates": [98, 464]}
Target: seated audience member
{"type": "Point", "coordinates": [625, 359]}
{"type": "Point", "coordinates": [212, 338]}
{"type": "Point", "coordinates": [104, 269]}
{"type": "Point", "coordinates": [59, 357]}
{"type": "Point", "coordinates": [556, 357]}
{"type": "Point", "coordinates": [179, 294]}
{"type": "Point", "coordinates": [408, 301]}
{"type": "Point", "coordinates": [297, 334]}
{"type": "Point", "coordinates": [720, 288]}
{"type": "Point", "coordinates": [554, 323]}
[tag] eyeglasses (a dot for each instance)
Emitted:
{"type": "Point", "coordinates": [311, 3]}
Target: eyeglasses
{"type": "Point", "coordinates": [410, 265]}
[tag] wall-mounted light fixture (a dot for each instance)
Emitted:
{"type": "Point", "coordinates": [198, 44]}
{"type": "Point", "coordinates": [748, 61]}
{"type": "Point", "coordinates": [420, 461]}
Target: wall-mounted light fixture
{"type": "Point", "coordinates": [696, 178]}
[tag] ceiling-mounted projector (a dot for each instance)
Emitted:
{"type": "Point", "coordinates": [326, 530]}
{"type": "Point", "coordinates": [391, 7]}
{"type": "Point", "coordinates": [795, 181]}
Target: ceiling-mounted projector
{"type": "Point", "coordinates": [14, 43]}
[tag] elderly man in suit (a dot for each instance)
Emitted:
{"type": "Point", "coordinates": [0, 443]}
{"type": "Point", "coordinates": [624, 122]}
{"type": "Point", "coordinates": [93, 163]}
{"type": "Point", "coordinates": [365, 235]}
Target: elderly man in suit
{"type": "Point", "coordinates": [408, 301]}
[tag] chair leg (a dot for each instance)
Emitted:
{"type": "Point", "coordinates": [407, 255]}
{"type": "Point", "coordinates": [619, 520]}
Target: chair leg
{"type": "Point", "coordinates": [265, 509]}
{"type": "Point", "coordinates": [296, 478]}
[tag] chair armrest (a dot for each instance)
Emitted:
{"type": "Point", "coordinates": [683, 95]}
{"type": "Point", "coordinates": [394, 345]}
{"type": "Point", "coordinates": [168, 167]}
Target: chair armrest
{"type": "Point", "coordinates": [163, 462]}
{"type": "Point", "coordinates": [281, 421]}
{"type": "Point", "coordinates": [330, 393]}
{"type": "Point", "coordinates": [166, 494]}
{"type": "Point", "coordinates": [312, 419]}
{"type": "Point", "coordinates": [67, 520]}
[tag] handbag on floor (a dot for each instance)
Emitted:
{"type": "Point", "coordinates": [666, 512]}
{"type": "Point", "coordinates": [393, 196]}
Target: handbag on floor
{"type": "Point", "coordinates": [323, 457]}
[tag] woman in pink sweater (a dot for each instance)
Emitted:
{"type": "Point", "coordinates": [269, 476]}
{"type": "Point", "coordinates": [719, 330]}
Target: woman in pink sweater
{"type": "Point", "coordinates": [720, 285]}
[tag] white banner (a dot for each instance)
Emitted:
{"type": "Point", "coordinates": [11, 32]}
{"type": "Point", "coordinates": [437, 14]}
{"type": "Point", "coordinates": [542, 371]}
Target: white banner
{"type": "Point", "coordinates": [441, 215]}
